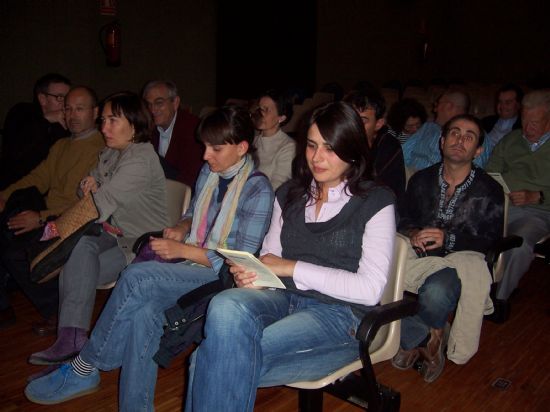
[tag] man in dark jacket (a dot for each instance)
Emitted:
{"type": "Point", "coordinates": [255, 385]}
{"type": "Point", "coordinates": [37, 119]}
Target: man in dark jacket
{"type": "Point", "coordinates": [174, 138]}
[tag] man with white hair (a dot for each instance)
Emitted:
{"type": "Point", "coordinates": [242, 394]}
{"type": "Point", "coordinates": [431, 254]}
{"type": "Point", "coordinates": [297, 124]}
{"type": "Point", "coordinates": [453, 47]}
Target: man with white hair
{"type": "Point", "coordinates": [523, 159]}
{"type": "Point", "coordinates": [174, 138]}
{"type": "Point", "coordinates": [422, 149]}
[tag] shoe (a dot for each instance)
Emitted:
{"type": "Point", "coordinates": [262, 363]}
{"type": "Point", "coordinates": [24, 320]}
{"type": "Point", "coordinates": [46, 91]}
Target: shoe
{"type": "Point", "coordinates": [434, 354]}
{"type": "Point", "coordinates": [7, 318]}
{"type": "Point", "coordinates": [405, 359]}
{"type": "Point", "coordinates": [45, 327]}
{"type": "Point", "coordinates": [43, 372]}
{"type": "Point", "coordinates": [61, 385]}
{"type": "Point", "coordinates": [68, 344]}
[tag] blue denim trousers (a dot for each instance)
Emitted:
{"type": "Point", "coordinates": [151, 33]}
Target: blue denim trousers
{"type": "Point", "coordinates": [256, 338]}
{"type": "Point", "coordinates": [128, 331]}
{"type": "Point", "coordinates": [437, 298]}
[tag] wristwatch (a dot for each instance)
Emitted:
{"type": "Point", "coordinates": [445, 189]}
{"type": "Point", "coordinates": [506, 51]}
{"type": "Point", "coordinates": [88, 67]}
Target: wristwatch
{"type": "Point", "coordinates": [541, 198]}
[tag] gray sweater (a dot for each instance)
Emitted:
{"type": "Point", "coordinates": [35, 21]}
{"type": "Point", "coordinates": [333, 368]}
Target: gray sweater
{"type": "Point", "coordinates": [131, 189]}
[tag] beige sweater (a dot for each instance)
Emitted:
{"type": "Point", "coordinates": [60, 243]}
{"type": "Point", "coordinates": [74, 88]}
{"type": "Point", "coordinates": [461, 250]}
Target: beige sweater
{"type": "Point", "coordinates": [68, 161]}
{"type": "Point", "coordinates": [275, 155]}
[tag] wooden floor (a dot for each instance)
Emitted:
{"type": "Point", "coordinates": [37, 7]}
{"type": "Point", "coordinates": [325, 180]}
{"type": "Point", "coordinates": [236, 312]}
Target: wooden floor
{"type": "Point", "coordinates": [517, 351]}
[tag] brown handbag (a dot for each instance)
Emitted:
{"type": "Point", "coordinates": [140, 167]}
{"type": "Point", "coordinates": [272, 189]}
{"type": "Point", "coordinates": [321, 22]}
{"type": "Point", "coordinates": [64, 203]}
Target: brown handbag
{"type": "Point", "coordinates": [50, 256]}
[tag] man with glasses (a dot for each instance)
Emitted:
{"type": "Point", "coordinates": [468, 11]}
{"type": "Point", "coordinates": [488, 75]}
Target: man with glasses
{"type": "Point", "coordinates": [454, 213]}
{"type": "Point", "coordinates": [30, 129]}
{"type": "Point", "coordinates": [56, 178]}
{"type": "Point", "coordinates": [174, 138]}
{"type": "Point", "coordinates": [523, 159]}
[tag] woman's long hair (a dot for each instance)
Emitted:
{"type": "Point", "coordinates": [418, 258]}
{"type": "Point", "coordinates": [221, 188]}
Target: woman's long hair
{"type": "Point", "coordinates": [342, 128]}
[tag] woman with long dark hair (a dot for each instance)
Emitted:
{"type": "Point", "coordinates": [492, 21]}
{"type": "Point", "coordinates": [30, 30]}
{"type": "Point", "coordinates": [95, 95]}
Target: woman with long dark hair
{"type": "Point", "coordinates": [331, 243]}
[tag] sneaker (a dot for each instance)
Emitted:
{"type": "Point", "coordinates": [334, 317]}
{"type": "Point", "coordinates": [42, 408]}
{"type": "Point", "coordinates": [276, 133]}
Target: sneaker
{"type": "Point", "coordinates": [61, 385]}
{"type": "Point", "coordinates": [434, 354]}
{"type": "Point", "coordinates": [405, 359]}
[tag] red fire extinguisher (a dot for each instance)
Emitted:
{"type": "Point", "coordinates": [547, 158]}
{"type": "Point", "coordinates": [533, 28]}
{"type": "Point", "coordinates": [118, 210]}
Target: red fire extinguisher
{"type": "Point", "coordinates": [109, 38]}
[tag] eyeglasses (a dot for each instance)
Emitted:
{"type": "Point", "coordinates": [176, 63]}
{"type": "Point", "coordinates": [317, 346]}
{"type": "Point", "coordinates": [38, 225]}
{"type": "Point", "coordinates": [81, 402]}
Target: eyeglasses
{"type": "Point", "coordinates": [58, 97]}
{"type": "Point", "coordinates": [466, 136]}
{"type": "Point", "coordinates": [158, 103]}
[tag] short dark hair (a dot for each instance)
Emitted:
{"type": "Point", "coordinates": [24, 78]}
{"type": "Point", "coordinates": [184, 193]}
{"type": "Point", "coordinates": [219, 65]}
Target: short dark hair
{"type": "Point", "coordinates": [131, 106]}
{"type": "Point", "coordinates": [470, 118]}
{"type": "Point", "coordinates": [511, 87]}
{"type": "Point", "coordinates": [368, 98]}
{"type": "Point", "coordinates": [342, 128]}
{"type": "Point", "coordinates": [227, 125]}
{"type": "Point", "coordinates": [42, 84]}
{"type": "Point", "coordinates": [283, 102]}
{"type": "Point", "coordinates": [402, 110]}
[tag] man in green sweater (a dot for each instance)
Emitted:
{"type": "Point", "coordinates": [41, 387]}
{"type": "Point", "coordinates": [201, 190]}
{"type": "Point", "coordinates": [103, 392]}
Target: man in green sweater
{"type": "Point", "coordinates": [57, 178]}
{"type": "Point", "coordinates": [523, 159]}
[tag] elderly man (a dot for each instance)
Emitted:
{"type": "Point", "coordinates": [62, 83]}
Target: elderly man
{"type": "Point", "coordinates": [30, 129]}
{"type": "Point", "coordinates": [57, 177]}
{"type": "Point", "coordinates": [523, 159]}
{"type": "Point", "coordinates": [389, 166]}
{"type": "Point", "coordinates": [422, 149]}
{"type": "Point", "coordinates": [174, 138]}
{"type": "Point", "coordinates": [454, 213]}
{"type": "Point", "coordinates": [507, 118]}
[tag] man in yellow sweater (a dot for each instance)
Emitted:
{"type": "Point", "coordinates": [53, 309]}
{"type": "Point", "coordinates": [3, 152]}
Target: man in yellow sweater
{"type": "Point", "coordinates": [57, 178]}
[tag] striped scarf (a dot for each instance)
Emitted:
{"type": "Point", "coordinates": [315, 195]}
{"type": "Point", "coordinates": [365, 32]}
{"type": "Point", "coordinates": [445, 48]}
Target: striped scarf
{"type": "Point", "coordinates": [216, 235]}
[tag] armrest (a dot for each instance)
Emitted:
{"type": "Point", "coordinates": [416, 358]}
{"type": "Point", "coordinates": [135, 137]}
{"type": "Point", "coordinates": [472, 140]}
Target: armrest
{"type": "Point", "coordinates": [504, 244]}
{"type": "Point", "coordinates": [381, 315]}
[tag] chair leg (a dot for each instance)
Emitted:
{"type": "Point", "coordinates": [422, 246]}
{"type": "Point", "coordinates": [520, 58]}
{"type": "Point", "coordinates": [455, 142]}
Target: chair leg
{"type": "Point", "coordinates": [310, 400]}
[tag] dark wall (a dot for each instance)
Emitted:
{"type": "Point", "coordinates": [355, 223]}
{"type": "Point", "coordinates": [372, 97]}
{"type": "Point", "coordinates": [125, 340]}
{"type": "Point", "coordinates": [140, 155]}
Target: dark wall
{"type": "Point", "coordinates": [170, 38]}
{"type": "Point", "coordinates": [472, 40]}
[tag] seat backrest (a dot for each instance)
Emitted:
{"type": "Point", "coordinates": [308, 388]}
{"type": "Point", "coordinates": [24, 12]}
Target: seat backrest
{"type": "Point", "coordinates": [178, 198]}
{"type": "Point", "coordinates": [386, 342]}
{"type": "Point", "coordinates": [498, 269]}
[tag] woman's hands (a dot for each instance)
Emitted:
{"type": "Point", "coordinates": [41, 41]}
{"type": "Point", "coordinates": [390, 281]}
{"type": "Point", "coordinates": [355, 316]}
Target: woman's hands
{"type": "Point", "coordinates": [167, 248]}
{"type": "Point", "coordinates": [245, 279]}
{"type": "Point", "coordinates": [87, 185]}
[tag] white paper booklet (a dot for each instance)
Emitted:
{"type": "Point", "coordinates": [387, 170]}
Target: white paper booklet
{"type": "Point", "coordinates": [266, 277]}
{"type": "Point", "coordinates": [498, 178]}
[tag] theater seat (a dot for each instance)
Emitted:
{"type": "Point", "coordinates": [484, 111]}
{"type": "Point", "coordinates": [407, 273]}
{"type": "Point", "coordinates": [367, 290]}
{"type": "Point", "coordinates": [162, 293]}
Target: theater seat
{"type": "Point", "coordinates": [378, 335]}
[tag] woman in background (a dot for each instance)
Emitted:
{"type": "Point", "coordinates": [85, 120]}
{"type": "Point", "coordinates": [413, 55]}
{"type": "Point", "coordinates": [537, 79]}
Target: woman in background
{"type": "Point", "coordinates": [275, 150]}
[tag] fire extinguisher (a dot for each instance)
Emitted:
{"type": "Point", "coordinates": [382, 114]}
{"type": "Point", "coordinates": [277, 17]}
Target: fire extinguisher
{"type": "Point", "coordinates": [109, 38]}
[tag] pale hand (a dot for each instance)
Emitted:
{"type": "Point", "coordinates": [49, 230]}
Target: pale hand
{"type": "Point", "coordinates": [87, 185]}
{"type": "Point", "coordinates": [279, 266]}
{"type": "Point", "coordinates": [24, 222]}
{"type": "Point", "coordinates": [56, 116]}
{"type": "Point", "coordinates": [167, 248]}
{"type": "Point", "coordinates": [175, 233]}
{"type": "Point", "coordinates": [524, 197]}
{"type": "Point", "coordinates": [243, 278]}
{"type": "Point", "coordinates": [423, 237]}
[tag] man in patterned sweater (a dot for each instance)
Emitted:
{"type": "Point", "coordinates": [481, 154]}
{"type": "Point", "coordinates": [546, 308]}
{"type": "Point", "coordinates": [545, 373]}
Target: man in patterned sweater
{"type": "Point", "coordinates": [451, 206]}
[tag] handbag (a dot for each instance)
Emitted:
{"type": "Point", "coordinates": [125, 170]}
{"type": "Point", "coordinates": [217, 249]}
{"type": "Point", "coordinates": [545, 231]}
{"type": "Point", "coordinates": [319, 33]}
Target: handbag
{"type": "Point", "coordinates": [48, 257]}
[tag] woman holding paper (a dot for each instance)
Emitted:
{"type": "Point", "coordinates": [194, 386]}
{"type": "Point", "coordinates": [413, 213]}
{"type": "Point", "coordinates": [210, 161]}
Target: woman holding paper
{"type": "Point", "coordinates": [231, 209]}
{"type": "Point", "coordinates": [331, 242]}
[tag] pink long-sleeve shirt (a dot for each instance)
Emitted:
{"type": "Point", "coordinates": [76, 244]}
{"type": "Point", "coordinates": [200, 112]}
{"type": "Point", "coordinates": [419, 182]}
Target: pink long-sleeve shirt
{"type": "Point", "coordinates": [367, 284]}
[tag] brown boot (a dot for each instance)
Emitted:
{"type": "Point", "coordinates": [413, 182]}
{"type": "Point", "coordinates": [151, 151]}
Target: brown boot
{"type": "Point", "coordinates": [405, 359]}
{"type": "Point", "coordinates": [434, 354]}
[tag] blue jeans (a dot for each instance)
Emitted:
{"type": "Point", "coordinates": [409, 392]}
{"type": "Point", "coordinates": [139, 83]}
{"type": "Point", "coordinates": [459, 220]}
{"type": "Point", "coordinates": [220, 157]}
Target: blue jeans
{"type": "Point", "coordinates": [266, 338]}
{"type": "Point", "coordinates": [437, 298]}
{"type": "Point", "coordinates": [128, 331]}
